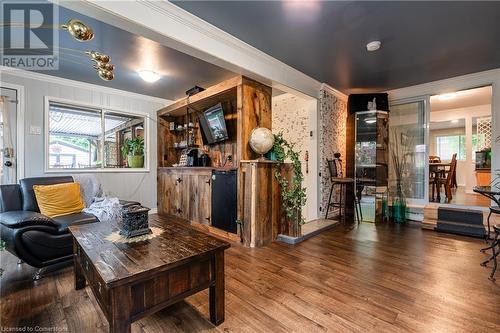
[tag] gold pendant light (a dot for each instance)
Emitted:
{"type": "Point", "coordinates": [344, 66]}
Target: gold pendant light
{"type": "Point", "coordinates": [97, 56]}
{"type": "Point", "coordinates": [105, 74]}
{"type": "Point", "coordinates": [79, 30]}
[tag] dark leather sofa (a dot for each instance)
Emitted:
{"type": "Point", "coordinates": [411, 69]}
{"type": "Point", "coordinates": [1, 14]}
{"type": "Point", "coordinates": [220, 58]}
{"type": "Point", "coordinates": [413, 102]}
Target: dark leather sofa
{"type": "Point", "coordinates": [36, 239]}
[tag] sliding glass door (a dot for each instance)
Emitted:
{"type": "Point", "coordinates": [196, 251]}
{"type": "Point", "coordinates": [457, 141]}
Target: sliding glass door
{"type": "Point", "coordinates": [408, 152]}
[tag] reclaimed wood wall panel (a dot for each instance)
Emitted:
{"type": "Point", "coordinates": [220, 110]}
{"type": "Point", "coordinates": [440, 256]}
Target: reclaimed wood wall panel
{"type": "Point", "coordinates": [256, 111]}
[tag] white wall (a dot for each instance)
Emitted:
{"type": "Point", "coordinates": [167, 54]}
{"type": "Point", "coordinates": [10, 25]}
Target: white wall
{"type": "Point", "coordinates": [295, 117]}
{"type": "Point", "coordinates": [139, 186]}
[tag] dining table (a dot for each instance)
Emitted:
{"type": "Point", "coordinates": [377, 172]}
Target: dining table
{"type": "Point", "coordinates": [435, 169]}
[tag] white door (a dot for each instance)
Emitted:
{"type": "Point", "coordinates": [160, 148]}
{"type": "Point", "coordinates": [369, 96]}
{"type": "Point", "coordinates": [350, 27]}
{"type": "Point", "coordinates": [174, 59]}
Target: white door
{"type": "Point", "coordinates": [408, 140]}
{"type": "Point", "coordinates": [8, 136]}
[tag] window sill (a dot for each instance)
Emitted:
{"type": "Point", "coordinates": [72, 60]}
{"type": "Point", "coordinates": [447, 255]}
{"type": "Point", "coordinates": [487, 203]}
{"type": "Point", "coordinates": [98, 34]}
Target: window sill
{"type": "Point", "coordinates": [110, 170]}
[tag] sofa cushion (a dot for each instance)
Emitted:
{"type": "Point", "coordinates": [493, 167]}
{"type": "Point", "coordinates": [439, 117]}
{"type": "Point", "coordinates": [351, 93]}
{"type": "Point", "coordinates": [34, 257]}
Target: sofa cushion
{"type": "Point", "coordinates": [59, 199]}
{"type": "Point", "coordinates": [10, 198]}
{"type": "Point", "coordinates": [63, 222]}
{"type": "Point", "coordinates": [28, 195]}
{"type": "Point", "coordinates": [23, 218]}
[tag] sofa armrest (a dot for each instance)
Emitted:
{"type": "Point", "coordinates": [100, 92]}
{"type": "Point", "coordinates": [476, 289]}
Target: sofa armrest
{"type": "Point", "coordinates": [22, 218]}
{"type": "Point", "coordinates": [10, 198]}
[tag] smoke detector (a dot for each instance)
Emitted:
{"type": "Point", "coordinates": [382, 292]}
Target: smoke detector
{"type": "Point", "coordinates": [373, 46]}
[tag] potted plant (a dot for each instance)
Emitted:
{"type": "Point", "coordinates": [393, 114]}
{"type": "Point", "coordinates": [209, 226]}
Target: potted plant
{"type": "Point", "coordinates": [133, 150]}
{"type": "Point", "coordinates": [399, 156]}
{"type": "Point", "coordinates": [293, 195]}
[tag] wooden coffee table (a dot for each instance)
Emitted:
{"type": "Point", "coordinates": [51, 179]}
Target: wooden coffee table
{"type": "Point", "coordinates": [133, 280]}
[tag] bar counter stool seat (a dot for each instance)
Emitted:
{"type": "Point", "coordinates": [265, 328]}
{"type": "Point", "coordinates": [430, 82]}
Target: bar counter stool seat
{"type": "Point", "coordinates": [336, 179]}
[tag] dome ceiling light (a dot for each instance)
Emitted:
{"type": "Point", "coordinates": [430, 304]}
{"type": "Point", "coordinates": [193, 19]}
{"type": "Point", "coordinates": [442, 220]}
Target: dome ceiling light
{"type": "Point", "coordinates": [373, 46]}
{"type": "Point", "coordinates": [149, 75]}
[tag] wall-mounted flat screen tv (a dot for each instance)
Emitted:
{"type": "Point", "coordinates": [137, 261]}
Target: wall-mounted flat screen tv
{"type": "Point", "coordinates": [213, 125]}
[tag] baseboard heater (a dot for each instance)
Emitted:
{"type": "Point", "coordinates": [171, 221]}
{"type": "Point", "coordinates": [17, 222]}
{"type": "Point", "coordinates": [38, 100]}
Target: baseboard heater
{"type": "Point", "coordinates": [459, 221]}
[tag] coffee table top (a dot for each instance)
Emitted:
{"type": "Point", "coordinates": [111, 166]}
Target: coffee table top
{"type": "Point", "coordinates": [118, 262]}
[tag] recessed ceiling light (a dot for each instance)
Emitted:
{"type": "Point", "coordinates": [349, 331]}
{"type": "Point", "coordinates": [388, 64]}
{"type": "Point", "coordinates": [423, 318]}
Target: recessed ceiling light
{"type": "Point", "coordinates": [373, 46]}
{"type": "Point", "coordinates": [149, 75]}
{"type": "Point", "coordinates": [448, 96]}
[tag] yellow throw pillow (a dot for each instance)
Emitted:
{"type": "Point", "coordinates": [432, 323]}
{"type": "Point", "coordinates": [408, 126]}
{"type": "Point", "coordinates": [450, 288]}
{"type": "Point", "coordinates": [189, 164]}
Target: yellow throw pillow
{"type": "Point", "coordinates": [59, 199]}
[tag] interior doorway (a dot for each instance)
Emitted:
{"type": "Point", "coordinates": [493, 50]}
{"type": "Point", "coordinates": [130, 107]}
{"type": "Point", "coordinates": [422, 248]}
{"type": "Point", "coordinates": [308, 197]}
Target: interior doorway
{"type": "Point", "coordinates": [8, 135]}
{"type": "Point", "coordinates": [460, 137]}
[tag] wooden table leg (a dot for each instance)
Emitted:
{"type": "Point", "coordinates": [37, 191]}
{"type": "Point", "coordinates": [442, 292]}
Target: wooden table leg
{"type": "Point", "coordinates": [79, 277]}
{"type": "Point", "coordinates": [120, 310]}
{"type": "Point", "coordinates": [216, 292]}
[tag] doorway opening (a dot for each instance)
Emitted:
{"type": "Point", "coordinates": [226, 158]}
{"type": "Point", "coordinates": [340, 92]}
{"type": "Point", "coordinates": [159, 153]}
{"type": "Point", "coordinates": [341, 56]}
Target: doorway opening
{"type": "Point", "coordinates": [8, 135]}
{"type": "Point", "coordinates": [460, 138]}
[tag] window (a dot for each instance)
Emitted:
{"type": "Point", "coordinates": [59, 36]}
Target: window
{"type": "Point", "coordinates": [448, 145]}
{"type": "Point", "coordinates": [80, 137]}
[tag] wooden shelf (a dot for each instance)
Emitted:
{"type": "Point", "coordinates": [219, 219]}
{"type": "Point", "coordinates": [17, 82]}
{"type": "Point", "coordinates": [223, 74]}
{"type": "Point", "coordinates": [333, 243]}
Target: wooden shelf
{"type": "Point", "coordinates": [203, 100]}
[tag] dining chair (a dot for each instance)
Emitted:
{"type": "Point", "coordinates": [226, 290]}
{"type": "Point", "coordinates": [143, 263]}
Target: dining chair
{"type": "Point", "coordinates": [446, 178]}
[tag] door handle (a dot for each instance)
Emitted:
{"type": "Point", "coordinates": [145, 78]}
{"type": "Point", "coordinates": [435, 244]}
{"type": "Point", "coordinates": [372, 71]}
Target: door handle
{"type": "Point", "coordinates": [8, 163]}
{"type": "Point", "coordinates": [208, 181]}
{"type": "Point", "coordinates": [207, 218]}
{"type": "Point", "coordinates": [179, 180]}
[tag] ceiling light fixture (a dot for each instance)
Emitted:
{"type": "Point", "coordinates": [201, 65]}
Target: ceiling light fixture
{"type": "Point", "coordinates": [454, 121]}
{"type": "Point", "coordinates": [79, 30]}
{"type": "Point", "coordinates": [373, 46]}
{"type": "Point", "coordinates": [149, 75]}
{"type": "Point", "coordinates": [448, 96]}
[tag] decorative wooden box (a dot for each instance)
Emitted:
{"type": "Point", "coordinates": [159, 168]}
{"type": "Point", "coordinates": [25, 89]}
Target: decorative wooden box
{"type": "Point", "coordinates": [134, 221]}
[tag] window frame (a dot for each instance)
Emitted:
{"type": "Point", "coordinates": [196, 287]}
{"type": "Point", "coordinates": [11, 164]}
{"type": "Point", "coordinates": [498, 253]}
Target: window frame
{"type": "Point", "coordinates": [104, 109]}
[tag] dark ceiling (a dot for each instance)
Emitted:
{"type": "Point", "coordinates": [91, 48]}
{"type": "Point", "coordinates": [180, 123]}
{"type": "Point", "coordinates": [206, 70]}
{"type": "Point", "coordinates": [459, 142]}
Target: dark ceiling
{"type": "Point", "coordinates": [421, 41]}
{"type": "Point", "coordinates": [130, 53]}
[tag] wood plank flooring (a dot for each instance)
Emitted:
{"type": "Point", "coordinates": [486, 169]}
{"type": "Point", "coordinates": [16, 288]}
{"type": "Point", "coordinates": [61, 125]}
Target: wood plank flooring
{"type": "Point", "coordinates": [369, 279]}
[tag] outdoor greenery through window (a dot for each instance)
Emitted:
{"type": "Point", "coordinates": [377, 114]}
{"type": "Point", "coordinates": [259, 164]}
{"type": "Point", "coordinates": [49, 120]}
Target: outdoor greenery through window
{"type": "Point", "coordinates": [87, 138]}
{"type": "Point", "coordinates": [448, 145]}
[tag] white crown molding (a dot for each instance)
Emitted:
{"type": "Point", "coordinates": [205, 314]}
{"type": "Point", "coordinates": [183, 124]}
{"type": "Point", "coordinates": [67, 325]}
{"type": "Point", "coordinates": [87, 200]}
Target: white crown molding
{"type": "Point", "coordinates": [78, 84]}
{"type": "Point", "coordinates": [446, 85]}
{"type": "Point", "coordinates": [334, 92]}
{"type": "Point", "coordinates": [174, 27]}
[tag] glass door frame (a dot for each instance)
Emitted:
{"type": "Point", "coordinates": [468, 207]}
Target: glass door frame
{"type": "Point", "coordinates": [425, 99]}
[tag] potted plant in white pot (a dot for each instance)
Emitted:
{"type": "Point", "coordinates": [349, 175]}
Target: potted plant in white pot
{"type": "Point", "coordinates": [133, 151]}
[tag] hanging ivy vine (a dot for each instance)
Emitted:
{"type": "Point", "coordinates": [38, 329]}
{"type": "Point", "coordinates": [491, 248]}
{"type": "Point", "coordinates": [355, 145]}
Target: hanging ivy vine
{"type": "Point", "coordinates": [293, 195]}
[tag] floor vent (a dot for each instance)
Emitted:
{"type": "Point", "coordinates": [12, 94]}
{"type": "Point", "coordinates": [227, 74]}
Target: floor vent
{"type": "Point", "coordinates": [459, 221]}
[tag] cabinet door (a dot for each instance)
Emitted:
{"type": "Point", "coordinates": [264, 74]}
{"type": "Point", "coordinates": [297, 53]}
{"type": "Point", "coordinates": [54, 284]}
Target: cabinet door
{"type": "Point", "coordinates": [200, 198]}
{"type": "Point", "coordinates": [182, 182]}
{"type": "Point", "coordinates": [168, 196]}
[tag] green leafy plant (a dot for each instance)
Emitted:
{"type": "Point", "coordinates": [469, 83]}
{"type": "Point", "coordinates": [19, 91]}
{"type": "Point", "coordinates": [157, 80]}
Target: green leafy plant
{"type": "Point", "coordinates": [133, 147]}
{"type": "Point", "coordinates": [293, 195]}
{"type": "Point", "coordinates": [133, 151]}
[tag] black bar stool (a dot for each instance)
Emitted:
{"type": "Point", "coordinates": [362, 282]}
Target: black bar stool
{"type": "Point", "coordinates": [338, 180]}
{"type": "Point", "coordinates": [495, 249]}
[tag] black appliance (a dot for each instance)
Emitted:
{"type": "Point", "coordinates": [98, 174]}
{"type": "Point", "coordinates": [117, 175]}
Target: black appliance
{"type": "Point", "coordinates": [204, 160]}
{"type": "Point", "coordinates": [483, 160]}
{"type": "Point", "coordinates": [213, 125]}
{"type": "Point", "coordinates": [192, 157]}
{"type": "Point", "coordinates": [224, 195]}
{"type": "Point", "coordinates": [194, 90]}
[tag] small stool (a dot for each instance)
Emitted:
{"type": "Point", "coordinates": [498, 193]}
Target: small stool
{"type": "Point", "coordinates": [495, 249]}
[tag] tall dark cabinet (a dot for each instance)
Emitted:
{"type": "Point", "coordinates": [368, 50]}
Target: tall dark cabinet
{"type": "Point", "coordinates": [367, 157]}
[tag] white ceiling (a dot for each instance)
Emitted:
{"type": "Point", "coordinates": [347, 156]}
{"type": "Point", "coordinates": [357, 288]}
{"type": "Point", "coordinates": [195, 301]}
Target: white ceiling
{"type": "Point", "coordinates": [462, 99]}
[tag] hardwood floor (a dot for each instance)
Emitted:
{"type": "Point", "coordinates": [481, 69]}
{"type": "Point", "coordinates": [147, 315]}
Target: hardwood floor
{"type": "Point", "coordinates": [370, 279]}
{"type": "Point", "coordinates": [461, 197]}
